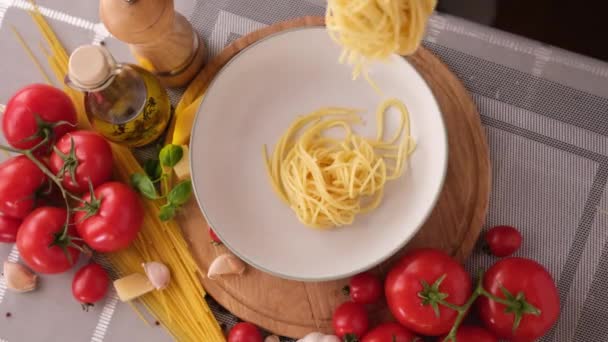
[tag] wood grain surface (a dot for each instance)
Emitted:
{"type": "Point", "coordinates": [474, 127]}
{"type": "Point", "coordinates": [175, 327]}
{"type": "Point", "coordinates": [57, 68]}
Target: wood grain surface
{"type": "Point", "coordinates": [293, 308]}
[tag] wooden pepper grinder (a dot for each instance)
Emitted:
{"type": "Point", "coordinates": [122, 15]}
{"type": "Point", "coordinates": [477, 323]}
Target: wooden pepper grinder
{"type": "Point", "coordinates": [162, 40]}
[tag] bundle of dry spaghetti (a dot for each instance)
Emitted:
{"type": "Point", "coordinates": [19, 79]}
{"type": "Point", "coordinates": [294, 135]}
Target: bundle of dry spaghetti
{"type": "Point", "coordinates": [181, 307]}
{"type": "Point", "coordinates": [327, 181]}
{"type": "Point", "coordinates": [375, 29]}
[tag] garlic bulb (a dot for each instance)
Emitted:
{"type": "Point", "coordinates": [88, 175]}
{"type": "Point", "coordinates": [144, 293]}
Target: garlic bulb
{"type": "Point", "coordinates": [158, 274]}
{"type": "Point", "coordinates": [272, 338]}
{"type": "Point", "coordinates": [19, 278]}
{"type": "Point", "coordinates": [225, 264]}
{"type": "Point", "coordinates": [319, 337]}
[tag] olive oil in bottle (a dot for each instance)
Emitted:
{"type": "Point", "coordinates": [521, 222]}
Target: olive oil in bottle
{"type": "Point", "coordinates": [124, 102]}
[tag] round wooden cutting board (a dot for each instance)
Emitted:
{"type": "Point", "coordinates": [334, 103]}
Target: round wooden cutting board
{"type": "Point", "coordinates": [293, 308]}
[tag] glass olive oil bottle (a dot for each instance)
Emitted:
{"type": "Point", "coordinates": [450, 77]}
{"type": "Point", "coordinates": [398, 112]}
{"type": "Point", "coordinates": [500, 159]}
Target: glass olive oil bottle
{"type": "Point", "coordinates": [124, 102]}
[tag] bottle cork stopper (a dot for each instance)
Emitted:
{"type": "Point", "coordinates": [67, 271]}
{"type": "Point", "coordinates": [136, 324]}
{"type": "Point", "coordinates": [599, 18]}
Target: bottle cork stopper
{"type": "Point", "coordinates": [89, 66]}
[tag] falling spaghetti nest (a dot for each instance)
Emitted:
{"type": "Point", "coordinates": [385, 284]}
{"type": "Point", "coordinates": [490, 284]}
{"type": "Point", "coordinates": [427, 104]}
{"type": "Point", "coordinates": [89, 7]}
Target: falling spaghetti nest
{"type": "Point", "coordinates": [327, 181]}
{"type": "Point", "coordinates": [375, 29]}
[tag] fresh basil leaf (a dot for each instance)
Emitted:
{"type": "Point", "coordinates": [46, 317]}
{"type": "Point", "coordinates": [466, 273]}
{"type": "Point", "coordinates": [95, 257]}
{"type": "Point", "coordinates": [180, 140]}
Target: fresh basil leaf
{"type": "Point", "coordinates": [180, 193]}
{"type": "Point", "coordinates": [170, 155]}
{"type": "Point", "coordinates": [153, 169]}
{"type": "Point", "coordinates": [167, 212]}
{"type": "Point", "coordinates": [144, 185]}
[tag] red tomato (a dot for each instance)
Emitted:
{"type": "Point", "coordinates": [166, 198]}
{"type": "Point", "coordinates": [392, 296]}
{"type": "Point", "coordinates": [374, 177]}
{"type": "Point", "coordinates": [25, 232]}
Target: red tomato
{"type": "Point", "coordinates": [390, 332]}
{"type": "Point", "coordinates": [534, 285]}
{"type": "Point", "coordinates": [92, 160]}
{"type": "Point", "coordinates": [350, 319]}
{"type": "Point", "coordinates": [90, 284]}
{"type": "Point", "coordinates": [116, 215]}
{"type": "Point", "coordinates": [35, 112]}
{"type": "Point", "coordinates": [37, 245]}
{"type": "Point", "coordinates": [364, 288]}
{"type": "Point", "coordinates": [20, 179]}
{"type": "Point", "coordinates": [467, 333]}
{"type": "Point", "coordinates": [244, 332]}
{"type": "Point", "coordinates": [8, 228]}
{"type": "Point", "coordinates": [214, 236]}
{"type": "Point", "coordinates": [404, 285]}
{"type": "Point", "coordinates": [503, 240]}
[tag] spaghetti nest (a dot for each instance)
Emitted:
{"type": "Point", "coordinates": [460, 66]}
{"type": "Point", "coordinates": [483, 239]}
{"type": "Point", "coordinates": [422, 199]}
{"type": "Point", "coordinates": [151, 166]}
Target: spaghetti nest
{"type": "Point", "coordinates": [375, 29]}
{"type": "Point", "coordinates": [327, 181]}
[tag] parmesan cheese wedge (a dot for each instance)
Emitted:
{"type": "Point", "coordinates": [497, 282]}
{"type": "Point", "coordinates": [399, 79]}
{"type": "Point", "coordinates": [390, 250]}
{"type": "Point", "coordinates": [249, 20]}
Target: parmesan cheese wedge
{"type": "Point", "coordinates": [182, 168]}
{"type": "Point", "coordinates": [132, 286]}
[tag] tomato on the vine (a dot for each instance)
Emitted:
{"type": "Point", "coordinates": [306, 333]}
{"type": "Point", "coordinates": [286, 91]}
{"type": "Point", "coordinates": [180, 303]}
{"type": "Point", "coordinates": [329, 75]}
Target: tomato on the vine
{"type": "Point", "coordinates": [214, 236]}
{"type": "Point", "coordinates": [415, 286]}
{"type": "Point", "coordinates": [534, 300]}
{"type": "Point", "coordinates": [40, 242]}
{"type": "Point", "coordinates": [110, 219]}
{"type": "Point", "coordinates": [90, 284]}
{"type": "Point", "coordinates": [8, 228]}
{"type": "Point", "coordinates": [364, 288]}
{"type": "Point", "coordinates": [350, 319]}
{"type": "Point", "coordinates": [36, 112]}
{"type": "Point", "coordinates": [390, 332]}
{"type": "Point", "coordinates": [469, 333]}
{"type": "Point", "coordinates": [244, 332]}
{"type": "Point", "coordinates": [503, 241]}
{"type": "Point", "coordinates": [81, 157]}
{"type": "Point", "coordinates": [20, 180]}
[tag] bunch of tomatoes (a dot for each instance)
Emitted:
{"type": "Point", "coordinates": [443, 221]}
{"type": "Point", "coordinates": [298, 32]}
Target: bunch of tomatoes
{"type": "Point", "coordinates": [430, 294]}
{"type": "Point", "coordinates": [56, 196]}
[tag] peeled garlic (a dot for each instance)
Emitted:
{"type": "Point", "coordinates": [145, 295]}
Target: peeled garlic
{"type": "Point", "coordinates": [19, 278]}
{"type": "Point", "coordinates": [272, 338]}
{"type": "Point", "coordinates": [319, 337]}
{"type": "Point", "coordinates": [158, 274]}
{"type": "Point", "coordinates": [225, 264]}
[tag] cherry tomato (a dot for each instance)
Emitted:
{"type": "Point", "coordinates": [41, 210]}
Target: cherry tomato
{"type": "Point", "coordinates": [37, 111]}
{"type": "Point", "coordinates": [244, 332]}
{"type": "Point", "coordinates": [467, 333]}
{"type": "Point", "coordinates": [8, 228]}
{"type": "Point", "coordinates": [390, 332]}
{"type": "Point", "coordinates": [114, 219]}
{"type": "Point", "coordinates": [426, 272]}
{"type": "Point", "coordinates": [91, 160]}
{"type": "Point", "coordinates": [364, 288]}
{"type": "Point", "coordinates": [214, 236]}
{"type": "Point", "coordinates": [90, 284]}
{"type": "Point", "coordinates": [531, 287]}
{"type": "Point", "coordinates": [20, 179]}
{"type": "Point", "coordinates": [37, 241]}
{"type": "Point", "coordinates": [350, 319]}
{"type": "Point", "coordinates": [503, 240]}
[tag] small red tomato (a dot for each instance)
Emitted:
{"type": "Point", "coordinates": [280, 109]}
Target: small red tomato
{"type": "Point", "coordinates": [532, 293]}
{"type": "Point", "coordinates": [503, 240]}
{"type": "Point", "coordinates": [113, 217]}
{"type": "Point", "coordinates": [38, 243]}
{"type": "Point", "coordinates": [20, 180]}
{"type": "Point", "coordinates": [389, 332]}
{"type": "Point", "coordinates": [35, 112]}
{"type": "Point", "coordinates": [90, 284]}
{"type": "Point", "coordinates": [364, 288]}
{"type": "Point", "coordinates": [467, 333]}
{"type": "Point", "coordinates": [89, 159]}
{"type": "Point", "coordinates": [350, 319]}
{"type": "Point", "coordinates": [8, 228]}
{"type": "Point", "coordinates": [245, 332]}
{"type": "Point", "coordinates": [214, 236]}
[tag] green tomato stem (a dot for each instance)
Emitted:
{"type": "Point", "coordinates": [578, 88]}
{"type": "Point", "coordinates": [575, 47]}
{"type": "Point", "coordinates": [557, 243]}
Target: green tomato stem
{"type": "Point", "coordinates": [464, 309]}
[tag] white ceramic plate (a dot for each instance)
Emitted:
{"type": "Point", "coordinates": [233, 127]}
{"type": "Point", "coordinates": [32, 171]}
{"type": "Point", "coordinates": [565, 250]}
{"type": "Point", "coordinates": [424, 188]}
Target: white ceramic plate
{"type": "Point", "coordinates": [252, 101]}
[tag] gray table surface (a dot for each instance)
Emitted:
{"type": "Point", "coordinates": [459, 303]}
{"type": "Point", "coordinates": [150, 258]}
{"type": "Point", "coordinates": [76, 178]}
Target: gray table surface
{"type": "Point", "coordinates": [545, 112]}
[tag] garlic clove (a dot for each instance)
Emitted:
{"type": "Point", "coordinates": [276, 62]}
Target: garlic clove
{"type": "Point", "coordinates": [158, 274]}
{"type": "Point", "coordinates": [226, 264]}
{"type": "Point", "coordinates": [319, 337]}
{"type": "Point", "coordinates": [272, 338]}
{"type": "Point", "coordinates": [19, 278]}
